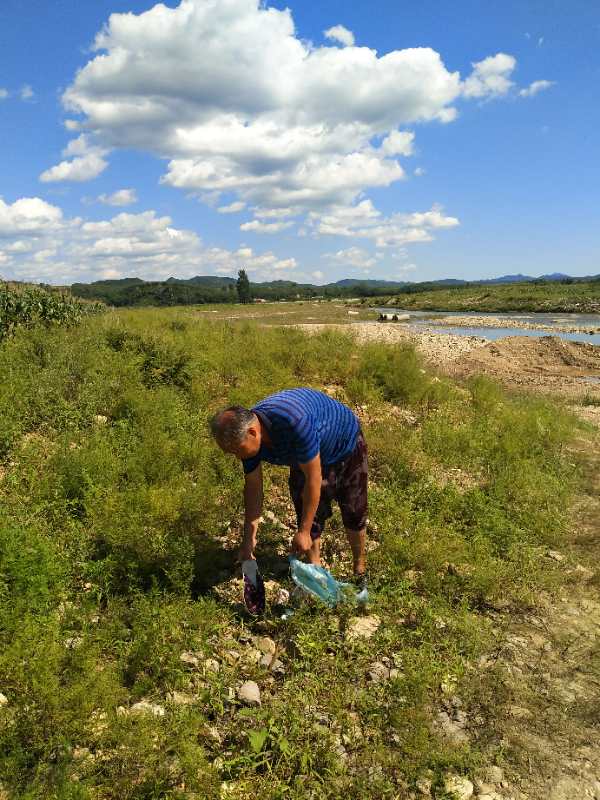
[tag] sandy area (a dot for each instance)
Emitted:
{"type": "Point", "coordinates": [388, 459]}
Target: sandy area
{"type": "Point", "coordinates": [438, 348]}
{"type": "Point", "coordinates": [501, 322]}
{"type": "Point", "coordinates": [546, 364]}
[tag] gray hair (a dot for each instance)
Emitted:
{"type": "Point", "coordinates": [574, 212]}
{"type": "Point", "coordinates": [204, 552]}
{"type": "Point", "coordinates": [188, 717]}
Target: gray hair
{"type": "Point", "coordinates": [230, 426]}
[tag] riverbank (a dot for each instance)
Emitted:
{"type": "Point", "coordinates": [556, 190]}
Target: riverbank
{"type": "Point", "coordinates": [581, 297]}
{"type": "Point", "coordinates": [487, 321]}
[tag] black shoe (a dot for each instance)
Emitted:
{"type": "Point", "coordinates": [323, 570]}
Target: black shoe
{"type": "Point", "coordinates": [360, 581]}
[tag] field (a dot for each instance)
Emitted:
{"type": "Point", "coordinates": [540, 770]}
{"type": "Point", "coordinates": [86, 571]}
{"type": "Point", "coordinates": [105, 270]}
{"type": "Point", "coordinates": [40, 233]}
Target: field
{"type": "Point", "coordinates": [118, 585]}
{"type": "Point", "coordinates": [582, 297]}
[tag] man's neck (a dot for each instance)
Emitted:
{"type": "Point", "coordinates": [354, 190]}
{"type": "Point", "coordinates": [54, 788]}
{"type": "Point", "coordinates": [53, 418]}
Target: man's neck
{"type": "Point", "coordinates": [264, 434]}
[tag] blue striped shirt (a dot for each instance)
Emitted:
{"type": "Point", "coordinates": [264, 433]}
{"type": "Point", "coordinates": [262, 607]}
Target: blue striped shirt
{"type": "Point", "coordinates": [302, 423]}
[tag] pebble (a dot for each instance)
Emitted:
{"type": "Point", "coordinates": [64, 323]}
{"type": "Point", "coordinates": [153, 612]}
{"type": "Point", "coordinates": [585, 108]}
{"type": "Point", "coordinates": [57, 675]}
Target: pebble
{"type": "Point", "coordinates": [362, 627]}
{"type": "Point", "coordinates": [460, 786]}
{"type": "Point", "coordinates": [144, 707]}
{"type": "Point", "coordinates": [181, 698]}
{"type": "Point", "coordinates": [494, 774]}
{"type": "Point", "coordinates": [189, 658]}
{"type": "Point", "coordinates": [378, 672]}
{"type": "Point", "coordinates": [100, 419]}
{"type": "Point", "coordinates": [3, 699]}
{"type": "Point", "coordinates": [212, 665]}
{"type": "Point", "coordinates": [266, 645]}
{"type": "Point", "coordinates": [555, 555]}
{"type": "Point", "coordinates": [249, 693]}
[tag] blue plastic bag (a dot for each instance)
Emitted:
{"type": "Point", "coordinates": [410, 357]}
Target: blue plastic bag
{"type": "Point", "coordinates": [320, 583]}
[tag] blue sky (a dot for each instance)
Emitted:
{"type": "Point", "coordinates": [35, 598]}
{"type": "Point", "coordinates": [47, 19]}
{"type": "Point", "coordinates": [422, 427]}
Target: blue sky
{"type": "Point", "coordinates": [373, 139]}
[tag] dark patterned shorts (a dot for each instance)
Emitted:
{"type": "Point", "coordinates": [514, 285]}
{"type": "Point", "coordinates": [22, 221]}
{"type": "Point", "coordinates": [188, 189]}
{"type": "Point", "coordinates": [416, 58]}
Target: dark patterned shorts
{"type": "Point", "coordinates": [346, 482]}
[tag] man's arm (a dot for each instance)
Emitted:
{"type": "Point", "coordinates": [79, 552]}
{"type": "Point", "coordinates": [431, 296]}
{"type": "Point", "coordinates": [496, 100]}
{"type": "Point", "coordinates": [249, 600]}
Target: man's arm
{"type": "Point", "coordinates": [253, 502]}
{"type": "Point", "coordinates": [310, 501]}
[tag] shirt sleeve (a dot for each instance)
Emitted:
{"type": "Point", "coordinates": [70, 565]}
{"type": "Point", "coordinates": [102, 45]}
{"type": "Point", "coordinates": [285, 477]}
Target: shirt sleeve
{"type": "Point", "coordinates": [305, 439]}
{"type": "Point", "coordinates": [250, 464]}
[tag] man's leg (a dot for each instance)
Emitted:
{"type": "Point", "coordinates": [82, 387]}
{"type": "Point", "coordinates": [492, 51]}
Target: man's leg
{"type": "Point", "coordinates": [324, 511]}
{"type": "Point", "coordinates": [352, 498]}
{"type": "Point", "coordinates": [357, 541]}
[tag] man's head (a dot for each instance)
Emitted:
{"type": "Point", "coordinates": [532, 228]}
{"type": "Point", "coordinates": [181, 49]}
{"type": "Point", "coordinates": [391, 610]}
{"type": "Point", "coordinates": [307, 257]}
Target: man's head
{"type": "Point", "coordinates": [237, 430]}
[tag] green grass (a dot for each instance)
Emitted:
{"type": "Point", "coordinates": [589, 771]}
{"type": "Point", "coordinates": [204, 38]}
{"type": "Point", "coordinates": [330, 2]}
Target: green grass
{"type": "Point", "coordinates": [548, 296]}
{"type": "Point", "coordinates": [26, 306]}
{"type": "Point", "coordinates": [114, 559]}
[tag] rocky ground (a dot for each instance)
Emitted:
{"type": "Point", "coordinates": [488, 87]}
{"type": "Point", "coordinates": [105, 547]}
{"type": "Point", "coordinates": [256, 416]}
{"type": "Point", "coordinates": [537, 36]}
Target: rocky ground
{"type": "Point", "coordinates": [502, 322]}
{"type": "Point", "coordinates": [537, 722]}
{"type": "Point", "coordinates": [540, 717]}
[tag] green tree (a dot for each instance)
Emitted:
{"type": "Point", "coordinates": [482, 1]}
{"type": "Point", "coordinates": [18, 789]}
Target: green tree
{"type": "Point", "coordinates": [243, 287]}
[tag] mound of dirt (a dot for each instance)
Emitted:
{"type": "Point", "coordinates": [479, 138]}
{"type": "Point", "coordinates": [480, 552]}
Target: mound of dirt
{"type": "Point", "coordinates": [547, 363]}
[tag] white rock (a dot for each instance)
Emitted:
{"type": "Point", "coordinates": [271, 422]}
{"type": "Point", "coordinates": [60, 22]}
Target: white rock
{"type": "Point", "coordinates": [189, 658]}
{"type": "Point", "coordinates": [181, 698]}
{"type": "Point", "coordinates": [212, 665]}
{"type": "Point", "coordinates": [266, 645]}
{"type": "Point", "coordinates": [378, 672]}
{"type": "Point", "coordinates": [362, 627]}
{"type": "Point", "coordinates": [3, 699]}
{"type": "Point", "coordinates": [249, 693]}
{"type": "Point", "coordinates": [144, 707]}
{"type": "Point", "coordinates": [100, 419]}
{"type": "Point", "coordinates": [555, 555]}
{"type": "Point", "coordinates": [459, 786]}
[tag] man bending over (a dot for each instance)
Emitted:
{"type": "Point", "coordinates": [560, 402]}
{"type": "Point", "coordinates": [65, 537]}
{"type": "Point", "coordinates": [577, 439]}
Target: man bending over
{"type": "Point", "coordinates": [320, 440]}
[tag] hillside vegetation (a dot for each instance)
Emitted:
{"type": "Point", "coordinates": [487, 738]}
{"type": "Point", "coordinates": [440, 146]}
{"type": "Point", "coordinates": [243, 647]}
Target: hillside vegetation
{"type": "Point", "coordinates": [118, 522]}
{"type": "Point", "coordinates": [580, 296]}
{"type": "Point", "coordinates": [22, 305]}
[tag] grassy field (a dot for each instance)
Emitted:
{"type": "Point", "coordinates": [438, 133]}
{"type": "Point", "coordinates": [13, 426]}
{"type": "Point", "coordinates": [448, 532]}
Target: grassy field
{"type": "Point", "coordinates": [118, 522]}
{"type": "Point", "coordinates": [552, 296]}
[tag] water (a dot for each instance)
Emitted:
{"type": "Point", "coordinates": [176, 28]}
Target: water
{"type": "Point", "coordinates": [422, 319]}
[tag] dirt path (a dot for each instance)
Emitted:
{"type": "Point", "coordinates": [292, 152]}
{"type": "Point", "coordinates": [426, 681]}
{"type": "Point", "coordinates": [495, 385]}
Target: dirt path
{"type": "Point", "coordinates": [544, 710]}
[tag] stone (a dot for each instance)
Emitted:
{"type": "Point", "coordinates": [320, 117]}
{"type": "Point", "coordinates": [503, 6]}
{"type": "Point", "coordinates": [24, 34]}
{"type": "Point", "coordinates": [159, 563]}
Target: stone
{"type": "Point", "coordinates": [3, 699]}
{"type": "Point", "coordinates": [378, 672]}
{"type": "Point", "coordinates": [459, 786]}
{"type": "Point", "coordinates": [518, 712]}
{"type": "Point", "coordinates": [181, 698]}
{"type": "Point", "coordinates": [73, 642]}
{"type": "Point", "coordinates": [189, 658]}
{"type": "Point", "coordinates": [100, 419]}
{"type": "Point", "coordinates": [565, 789]}
{"type": "Point", "coordinates": [249, 693]}
{"type": "Point", "coordinates": [212, 665]}
{"type": "Point", "coordinates": [424, 787]}
{"type": "Point", "coordinates": [266, 645]}
{"type": "Point", "coordinates": [494, 774]}
{"type": "Point", "coordinates": [555, 555]}
{"type": "Point", "coordinates": [452, 730]}
{"type": "Point", "coordinates": [144, 707]}
{"type": "Point", "coordinates": [362, 627]}
{"type": "Point", "coordinates": [213, 733]}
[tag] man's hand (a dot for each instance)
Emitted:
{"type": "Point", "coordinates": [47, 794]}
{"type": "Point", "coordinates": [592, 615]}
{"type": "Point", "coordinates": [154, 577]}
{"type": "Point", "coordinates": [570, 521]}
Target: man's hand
{"type": "Point", "coordinates": [301, 543]}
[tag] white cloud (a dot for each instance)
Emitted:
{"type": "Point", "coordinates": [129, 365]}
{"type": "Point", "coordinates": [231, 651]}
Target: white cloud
{"type": "Point", "coordinates": [398, 143]}
{"type": "Point", "coordinates": [79, 169]}
{"type": "Point", "coordinates": [340, 34]}
{"type": "Point", "coordinates": [87, 162]}
{"type": "Point", "coordinates": [122, 197]}
{"type": "Point", "coordinates": [236, 102]}
{"type": "Point", "coordinates": [37, 243]}
{"type": "Point", "coordinates": [535, 87]}
{"type": "Point", "coordinates": [318, 276]}
{"type": "Point", "coordinates": [232, 208]}
{"type": "Point", "coordinates": [490, 77]}
{"type": "Point", "coordinates": [26, 93]}
{"type": "Point", "coordinates": [3, 94]}
{"type": "Point", "coordinates": [256, 226]}
{"type": "Point", "coordinates": [419, 171]}
{"type": "Point", "coordinates": [28, 216]}
{"type": "Point", "coordinates": [540, 41]}
{"type": "Point", "coordinates": [353, 257]}
{"type": "Point", "coordinates": [363, 221]}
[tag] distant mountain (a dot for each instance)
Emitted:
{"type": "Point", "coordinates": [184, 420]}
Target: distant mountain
{"type": "Point", "coordinates": [212, 281]}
